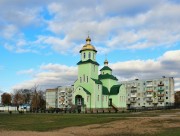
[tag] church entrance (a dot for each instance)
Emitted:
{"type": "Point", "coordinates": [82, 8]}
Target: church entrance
{"type": "Point", "coordinates": [79, 101]}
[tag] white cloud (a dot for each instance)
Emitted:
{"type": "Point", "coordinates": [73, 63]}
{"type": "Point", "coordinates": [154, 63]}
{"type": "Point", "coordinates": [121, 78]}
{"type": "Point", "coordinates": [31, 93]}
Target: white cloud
{"type": "Point", "coordinates": [166, 65]}
{"type": "Point", "coordinates": [52, 75]}
{"type": "Point", "coordinates": [27, 72]}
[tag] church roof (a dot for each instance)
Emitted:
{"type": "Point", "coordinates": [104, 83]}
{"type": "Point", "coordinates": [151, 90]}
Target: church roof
{"type": "Point", "coordinates": [86, 91]}
{"type": "Point", "coordinates": [96, 81]}
{"type": "Point", "coordinates": [115, 89]}
{"type": "Point", "coordinates": [87, 61]}
{"type": "Point", "coordinates": [105, 90]}
{"type": "Point", "coordinates": [107, 76]}
{"type": "Point", "coordinates": [88, 45]}
{"type": "Point", "coordinates": [106, 68]}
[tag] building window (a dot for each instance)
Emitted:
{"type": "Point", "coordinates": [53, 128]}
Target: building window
{"type": "Point", "coordinates": [80, 80]}
{"type": "Point", "coordinates": [84, 55]}
{"type": "Point", "coordinates": [84, 78]}
{"type": "Point", "coordinates": [98, 87]}
{"type": "Point", "coordinates": [98, 97]}
{"type": "Point", "coordinates": [87, 98]}
{"type": "Point", "coordinates": [94, 68]}
{"type": "Point", "coordinates": [103, 98]}
{"type": "Point", "coordinates": [106, 98]}
{"type": "Point", "coordinates": [89, 55]}
{"type": "Point", "coordinates": [93, 56]}
{"type": "Point", "coordinates": [87, 79]}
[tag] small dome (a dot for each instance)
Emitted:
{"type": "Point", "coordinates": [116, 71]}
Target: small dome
{"type": "Point", "coordinates": [88, 45]}
{"type": "Point", "coordinates": [106, 62]}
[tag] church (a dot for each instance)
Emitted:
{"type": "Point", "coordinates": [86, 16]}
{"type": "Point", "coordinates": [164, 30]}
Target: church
{"type": "Point", "coordinates": [95, 92]}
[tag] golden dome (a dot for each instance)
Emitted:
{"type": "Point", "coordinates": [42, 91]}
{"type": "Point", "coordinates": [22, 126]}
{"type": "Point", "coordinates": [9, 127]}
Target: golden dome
{"type": "Point", "coordinates": [88, 45]}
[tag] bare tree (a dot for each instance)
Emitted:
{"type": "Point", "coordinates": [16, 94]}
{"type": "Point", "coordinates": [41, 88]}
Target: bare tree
{"type": "Point", "coordinates": [38, 101]}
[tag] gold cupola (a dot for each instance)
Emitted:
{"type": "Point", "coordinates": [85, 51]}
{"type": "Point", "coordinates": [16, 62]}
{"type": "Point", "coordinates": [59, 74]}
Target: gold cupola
{"type": "Point", "coordinates": [88, 45]}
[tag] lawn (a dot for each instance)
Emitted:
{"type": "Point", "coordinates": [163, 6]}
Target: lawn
{"type": "Point", "coordinates": [47, 121]}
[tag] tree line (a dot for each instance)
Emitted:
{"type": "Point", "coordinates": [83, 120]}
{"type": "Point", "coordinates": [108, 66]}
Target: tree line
{"type": "Point", "coordinates": [33, 97]}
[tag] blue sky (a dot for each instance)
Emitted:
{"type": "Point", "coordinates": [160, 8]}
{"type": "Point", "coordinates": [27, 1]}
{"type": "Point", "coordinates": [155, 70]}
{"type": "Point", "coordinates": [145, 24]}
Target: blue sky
{"type": "Point", "coordinates": [40, 40]}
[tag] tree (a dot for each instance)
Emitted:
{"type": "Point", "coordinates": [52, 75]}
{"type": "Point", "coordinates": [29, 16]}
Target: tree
{"type": "Point", "coordinates": [38, 101]}
{"type": "Point", "coordinates": [6, 99]}
{"type": "Point", "coordinates": [18, 98]}
{"type": "Point", "coordinates": [177, 98]}
{"type": "Point", "coordinates": [22, 96]}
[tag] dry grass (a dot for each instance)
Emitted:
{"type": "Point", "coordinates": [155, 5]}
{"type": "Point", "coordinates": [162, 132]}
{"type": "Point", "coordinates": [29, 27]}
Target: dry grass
{"type": "Point", "coordinates": [130, 126]}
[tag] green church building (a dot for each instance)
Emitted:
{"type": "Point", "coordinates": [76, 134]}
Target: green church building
{"type": "Point", "coordinates": [94, 92]}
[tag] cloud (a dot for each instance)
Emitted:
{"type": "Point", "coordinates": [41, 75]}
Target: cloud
{"type": "Point", "coordinates": [26, 72]}
{"type": "Point", "coordinates": [113, 25]}
{"type": "Point", "coordinates": [52, 75]}
{"type": "Point", "coordinates": [49, 76]}
{"type": "Point", "coordinates": [167, 65]}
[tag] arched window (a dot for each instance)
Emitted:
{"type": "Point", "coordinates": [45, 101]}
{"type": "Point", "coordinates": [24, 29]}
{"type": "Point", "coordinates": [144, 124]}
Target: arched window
{"type": "Point", "coordinates": [84, 55]}
{"type": "Point", "coordinates": [89, 55]}
{"type": "Point", "coordinates": [80, 79]}
{"type": "Point", "coordinates": [87, 79]}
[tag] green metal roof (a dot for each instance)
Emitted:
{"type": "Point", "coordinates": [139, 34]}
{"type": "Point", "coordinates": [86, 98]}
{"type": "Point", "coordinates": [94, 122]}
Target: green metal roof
{"type": "Point", "coordinates": [106, 68]}
{"type": "Point", "coordinates": [86, 91]}
{"type": "Point", "coordinates": [105, 90]}
{"type": "Point", "coordinates": [87, 61]}
{"type": "Point", "coordinates": [115, 89]}
{"type": "Point", "coordinates": [107, 76]}
{"type": "Point", "coordinates": [96, 81]}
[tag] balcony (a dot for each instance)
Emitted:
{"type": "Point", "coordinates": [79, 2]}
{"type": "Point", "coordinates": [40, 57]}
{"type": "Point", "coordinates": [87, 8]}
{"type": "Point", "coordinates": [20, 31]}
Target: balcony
{"type": "Point", "coordinates": [161, 100]}
{"type": "Point", "coordinates": [149, 85]}
{"type": "Point", "coordinates": [133, 95]}
{"type": "Point", "coordinates": [160, 89]}
{"type": "Point", "coordinates": [149, 95]}
{"type": "Point", "coordinates": [69, 95]}
{"type": "Point", "coordinates": [160, 95]}
{"type": "Point", "coordinates": [133, 101]}
{"type": "Point", "coordinates": [149, 90]}
{"type": "Point", "coordinates": [155, 102]}
{"type": "Point", "coordinates": [160, 84]}
{"type": "Point", "coordinates": [133, 91]}
{"type": "Point", "coordinates": [149, 100]}
{"type": "Point", "coordinates": [133, 86]}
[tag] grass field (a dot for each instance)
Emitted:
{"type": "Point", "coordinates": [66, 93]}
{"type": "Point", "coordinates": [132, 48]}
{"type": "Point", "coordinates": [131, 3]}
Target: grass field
{"type": "Point", "coordinates": [48, 122]}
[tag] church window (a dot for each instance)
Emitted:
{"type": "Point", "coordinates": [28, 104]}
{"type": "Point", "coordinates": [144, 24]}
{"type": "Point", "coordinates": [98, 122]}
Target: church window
{"type": "Point", "coordinates": [80, 80]}
{"type": "Point", "coordinates": [98, 97]}
{"type": "Point", "coordinates": [103, 98]}
{"type": "Point", "coordinates": [84, 78]}
{"type": "Point", "coordinates": [93, 56]}
{"type": "Point", "coordinates": [94, 68]}
{"type": "Point", "coordinates": [98, 87]}
{"type": "Point", "coordinates": [87, 98]}
{"type": "Point", "coordinates": [89, 55]}
{"type": "Point", "coordinates": [87, 79]}
{"type": "Point", "coordinates": [106, 98]}
{"type": "Point", "coordinates": [84, 55]}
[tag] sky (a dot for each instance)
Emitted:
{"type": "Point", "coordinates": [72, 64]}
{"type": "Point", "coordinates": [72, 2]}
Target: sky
{"type": "Point", "coordinates": [40, 40]}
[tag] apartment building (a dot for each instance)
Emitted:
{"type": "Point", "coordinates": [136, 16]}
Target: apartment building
{"type": "Point", "coordinates": [60, 97]}
{"type": "Point", "coordinates": [150, 92]}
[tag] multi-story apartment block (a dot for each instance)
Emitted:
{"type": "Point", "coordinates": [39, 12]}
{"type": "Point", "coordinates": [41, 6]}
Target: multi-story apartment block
{"type": "Point", "coordinates": [60, 97]}
{"type": "Point", "coordinates": [65, 97]}
{"type": "Point", "coordinates": [150, 93]}
{"type": "Point", "coordinates": [51, 98]}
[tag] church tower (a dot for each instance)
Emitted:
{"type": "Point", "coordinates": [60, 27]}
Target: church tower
{"type": "Point", "coordinates": [87, 66]}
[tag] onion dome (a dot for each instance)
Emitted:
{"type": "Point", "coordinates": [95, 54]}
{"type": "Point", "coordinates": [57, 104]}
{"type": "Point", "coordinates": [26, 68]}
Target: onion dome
{"type": "Point", "coordinates": [106, 62]}
{"type": "Point", "coordinates": [88, 45]}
